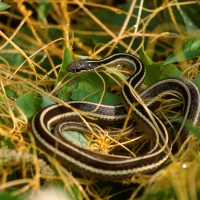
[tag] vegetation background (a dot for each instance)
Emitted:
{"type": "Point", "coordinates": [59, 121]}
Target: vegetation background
{"type": "Point", "coordinates": [40, 38]}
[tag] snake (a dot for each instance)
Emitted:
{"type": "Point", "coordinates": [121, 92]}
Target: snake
{"type": "Point", "coordinates": [140, 106]}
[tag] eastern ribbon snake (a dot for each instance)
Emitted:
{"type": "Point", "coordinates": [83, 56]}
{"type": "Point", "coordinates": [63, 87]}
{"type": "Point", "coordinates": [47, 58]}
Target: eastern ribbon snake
{"type": "Point", "coordinates": [112, 167]}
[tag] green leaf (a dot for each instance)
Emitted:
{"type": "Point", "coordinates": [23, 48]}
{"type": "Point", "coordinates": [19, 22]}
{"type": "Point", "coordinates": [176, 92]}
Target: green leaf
{"type": "Point", "coordinates": [91, 86]}
{"type": "Point", "coordinates": [191, 128]}
{"type": "Point", "coordinates": [190, 49]}
{"type": "Point", "coordinates": [190, 14]}
{"type": "Point", "coordinates": [13, 59]}
{"type": "Point", "coordinates": [167, 193]}
{"type": "Point", "coordinates": [76, 138]}
{"type": "Point", "coordinates": [157, 71]}
{"type": "Point", "coordinates": [43, 10]}
{"type": "Point", "coordinates": [11, 93]}
{"type": "Point", "coordinates": [67, 60]}
{"type": "Point", "coordinates": [30, 103]}
{"type": "Point", "coordinates": [6, 143]}
{"type": "Point", "coordinates": [169, 71]}
{"type": "Point", "coordinates": [46, 102]}
{"type": "Point", "coordinates": [64, 92]}
{"type": "Point", "coordinates": [4, 6]}
{"type": "Point", "coordinates": [196, 81]}
{"type": "Point", "coordinates": [8, 197]}
{"type": "Point", "coordinates": [145, 58]}
{"type": "Point", "coordinates": [42, 1]}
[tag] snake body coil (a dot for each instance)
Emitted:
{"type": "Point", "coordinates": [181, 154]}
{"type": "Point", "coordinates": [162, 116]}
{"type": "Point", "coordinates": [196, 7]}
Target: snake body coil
{"type": "Point", "coordinates": [115, 167]}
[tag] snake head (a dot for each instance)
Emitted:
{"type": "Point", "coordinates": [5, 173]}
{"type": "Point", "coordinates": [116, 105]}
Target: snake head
{"type": "Point", "coordinates": [81, 66]}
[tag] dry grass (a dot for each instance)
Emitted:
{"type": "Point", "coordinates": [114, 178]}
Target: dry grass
{"type": "Point", "coordinates": [21, 170]}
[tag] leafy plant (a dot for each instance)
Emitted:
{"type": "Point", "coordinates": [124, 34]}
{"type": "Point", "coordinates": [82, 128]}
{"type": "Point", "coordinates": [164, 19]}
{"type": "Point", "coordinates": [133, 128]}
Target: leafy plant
{"type": "Point", "coordinates": [40, 39]}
